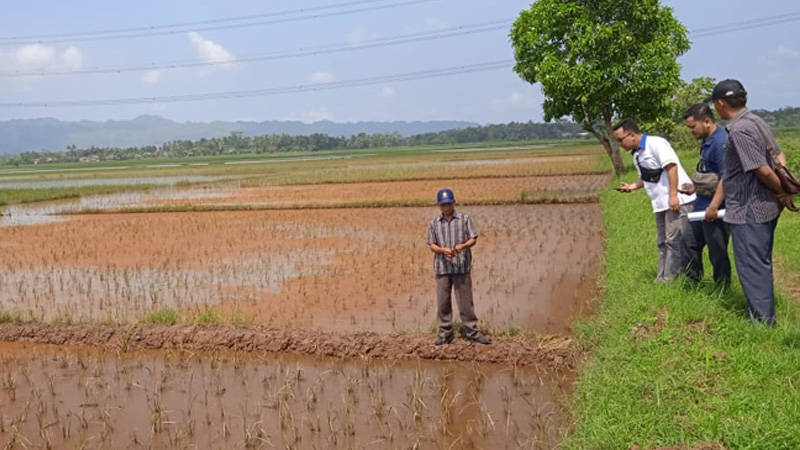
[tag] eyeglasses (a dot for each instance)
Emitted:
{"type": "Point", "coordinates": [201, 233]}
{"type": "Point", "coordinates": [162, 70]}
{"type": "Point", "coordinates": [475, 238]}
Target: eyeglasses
{"type": "Point", "coordinates": [622, 139]}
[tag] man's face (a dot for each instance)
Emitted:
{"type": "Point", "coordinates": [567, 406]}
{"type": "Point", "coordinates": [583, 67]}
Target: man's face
{"type": "Point", "coordinates": [447, 208]}
{"type": "Point", "coordinates": [625, 138]}
{"type": "Point", "coordinates": [723, 110]}
{"type": "Point", "coordinates": [700, 129]}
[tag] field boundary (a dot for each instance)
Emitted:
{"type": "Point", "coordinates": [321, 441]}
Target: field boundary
{"type": "Point", "coordinates": [556, 352]}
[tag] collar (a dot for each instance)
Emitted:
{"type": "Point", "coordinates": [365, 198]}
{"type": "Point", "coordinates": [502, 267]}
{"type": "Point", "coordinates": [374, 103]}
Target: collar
{"type": "Point", "coordinates": [642, 144]}
{"type": "Point", "coordinates": [707, 141]}
{"type": "Point", "coordinates": [456, 215]}
{"type": "Point", "coordinates": [738, 116]}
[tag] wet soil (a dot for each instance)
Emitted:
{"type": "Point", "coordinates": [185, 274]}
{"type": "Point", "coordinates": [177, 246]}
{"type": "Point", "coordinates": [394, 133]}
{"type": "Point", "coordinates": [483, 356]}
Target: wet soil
{"type": "Point", "coordinates": [546, 351]}
{"type": "Point", "coordinates": [64, 397]}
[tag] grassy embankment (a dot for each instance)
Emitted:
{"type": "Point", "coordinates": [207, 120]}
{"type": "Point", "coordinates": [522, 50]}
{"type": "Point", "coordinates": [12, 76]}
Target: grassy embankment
{"type": "Point", "coordinates": [677, 365]}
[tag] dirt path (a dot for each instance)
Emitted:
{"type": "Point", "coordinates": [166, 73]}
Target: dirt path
{"type": "Point", "coordinates": [548, 351]}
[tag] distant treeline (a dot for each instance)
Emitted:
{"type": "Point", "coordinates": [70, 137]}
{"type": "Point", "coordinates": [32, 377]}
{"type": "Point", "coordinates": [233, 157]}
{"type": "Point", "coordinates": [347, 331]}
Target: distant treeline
{"type": "Point", "coordinates": [783, 121]}
{"type": "Point", "coordinates": [237, 143]}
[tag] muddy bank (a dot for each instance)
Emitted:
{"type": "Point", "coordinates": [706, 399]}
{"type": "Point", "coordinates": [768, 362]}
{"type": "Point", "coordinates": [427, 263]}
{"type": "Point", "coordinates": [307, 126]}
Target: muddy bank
{"type": "Point", "coordinates": [548, 351]}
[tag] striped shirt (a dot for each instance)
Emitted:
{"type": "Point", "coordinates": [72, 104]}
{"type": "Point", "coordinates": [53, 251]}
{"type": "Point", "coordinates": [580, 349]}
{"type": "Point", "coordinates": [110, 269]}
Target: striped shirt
{"type": "Point", "coordinates": [446, 234]}
{"type": "Point", "coordinates": [747, 200]}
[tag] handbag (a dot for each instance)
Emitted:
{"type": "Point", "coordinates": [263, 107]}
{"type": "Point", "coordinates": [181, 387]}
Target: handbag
{"type": "Point", "coordinates": [789, 183]}
{"type": "Point", "coordinates": [705, 183]}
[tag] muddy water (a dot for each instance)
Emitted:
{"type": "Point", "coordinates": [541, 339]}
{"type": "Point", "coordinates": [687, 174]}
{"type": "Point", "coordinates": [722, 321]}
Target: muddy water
{"type": "Point", "coordinates": [47, 212]}
{"type": "Point", "coordinates": [10, 183]}
{"type": "Point", "coordinates": [535, 267]}
{"type": "Point", "coordinates": [79, 398]}
{"type": "Point", "coordinates": [472, 190]}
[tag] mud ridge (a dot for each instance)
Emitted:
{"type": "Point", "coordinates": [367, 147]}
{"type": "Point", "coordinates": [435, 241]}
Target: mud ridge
{"type": "Point", "coordinates": [548, 351]}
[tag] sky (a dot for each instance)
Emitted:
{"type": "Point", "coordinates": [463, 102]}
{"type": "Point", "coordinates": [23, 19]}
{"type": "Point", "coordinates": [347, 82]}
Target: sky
{"type": "Point", "coordinates": [766, 60]}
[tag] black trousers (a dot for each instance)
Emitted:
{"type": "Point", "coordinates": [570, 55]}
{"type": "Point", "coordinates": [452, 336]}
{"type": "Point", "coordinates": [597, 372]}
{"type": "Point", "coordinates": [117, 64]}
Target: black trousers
{"type": "Point", "coordinates": [715, 236]}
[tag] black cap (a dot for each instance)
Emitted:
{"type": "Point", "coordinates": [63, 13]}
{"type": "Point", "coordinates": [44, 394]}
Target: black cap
{"type": "Point", "coordinates": [727, 89]}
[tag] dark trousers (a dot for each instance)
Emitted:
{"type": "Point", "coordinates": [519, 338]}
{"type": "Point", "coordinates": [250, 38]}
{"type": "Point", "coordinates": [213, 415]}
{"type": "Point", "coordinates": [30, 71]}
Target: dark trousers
{"type": "Point", "coordinates": [462, 285]}
{"type": "Point", "coordinates": [752, 251]}
{"type": "Point", "coordinates": [715, 236]}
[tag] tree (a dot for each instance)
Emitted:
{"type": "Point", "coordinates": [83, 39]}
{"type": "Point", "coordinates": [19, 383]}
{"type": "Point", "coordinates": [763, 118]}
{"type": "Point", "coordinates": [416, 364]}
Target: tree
{"type": "Point", "coordinates": [671, 126]}
{"type": "Point", "coordinates": [598, 60]}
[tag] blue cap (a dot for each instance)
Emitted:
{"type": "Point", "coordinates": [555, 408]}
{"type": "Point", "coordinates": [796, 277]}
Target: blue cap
{"type": "Point", "coordinates": [445, 196]}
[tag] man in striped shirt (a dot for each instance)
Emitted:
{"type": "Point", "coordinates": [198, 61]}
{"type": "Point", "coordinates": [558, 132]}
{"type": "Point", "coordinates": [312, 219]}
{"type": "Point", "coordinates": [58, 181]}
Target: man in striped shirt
{"type": "Point", "coordinates": [451, 235]}
{"type": "Point", "coordinates": [754, 196]}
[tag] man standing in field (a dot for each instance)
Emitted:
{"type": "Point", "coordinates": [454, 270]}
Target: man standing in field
{"type": "Point", "coordinates": [451, 235]}
{"type": "Point", "coordinates": [660, 173]}
{"type": "Point", "coordinates": [707, 180]}
{"type": "Point", "coordinates": [754, 196]}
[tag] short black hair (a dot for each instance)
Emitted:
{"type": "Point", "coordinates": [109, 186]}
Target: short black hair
{"type": "Point", "coordinates": [699, 111]}
{"type": "Point", "coordinates": [627, 125]}
{"type": "Point", "coordinates": [739, 101]}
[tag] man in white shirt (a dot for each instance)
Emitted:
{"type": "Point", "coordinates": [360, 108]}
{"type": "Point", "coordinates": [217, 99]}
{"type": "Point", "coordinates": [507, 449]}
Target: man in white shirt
{"type": "Point", "coordinates": [660, 173]}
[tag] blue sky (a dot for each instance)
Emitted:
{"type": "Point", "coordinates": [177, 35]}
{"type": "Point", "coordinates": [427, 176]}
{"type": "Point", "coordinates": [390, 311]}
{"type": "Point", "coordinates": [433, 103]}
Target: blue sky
{"type": "Point", "coordinates": [766, 60]}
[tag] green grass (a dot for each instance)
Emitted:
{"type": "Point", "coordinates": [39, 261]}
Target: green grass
{"type": "Point", "coordinates": [166, 316]}
{"type": "Point", "coordinates": [672, 364]}
{"type": "Point", "coordinates": [206, 317]}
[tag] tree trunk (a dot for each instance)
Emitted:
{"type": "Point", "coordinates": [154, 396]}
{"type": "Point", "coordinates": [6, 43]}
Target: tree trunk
{"type": "Point", "coordinates": [612, 147]}
{"type": "Point", "coordinates": [609, 144]}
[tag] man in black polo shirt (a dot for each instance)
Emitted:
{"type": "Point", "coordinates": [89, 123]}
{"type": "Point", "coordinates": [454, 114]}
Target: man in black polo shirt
{"type": "Point", "coordinates": [754, 197]}
{"type": "Point", "coordinates": [451, 235]}
{"type": "Point", "coordinates": [710, 233]}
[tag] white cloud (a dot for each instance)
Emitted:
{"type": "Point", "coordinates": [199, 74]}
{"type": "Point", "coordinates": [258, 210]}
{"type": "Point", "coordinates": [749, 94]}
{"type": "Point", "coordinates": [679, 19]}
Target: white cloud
{"type": "Point", "coordinates": [387, 92]}
{"type": "Point", "coordinates": [152, 77]}
{"type": "Point", "coordinates": [322, 77]}
{"type": "Point", "coordinates": [209, 50]}
{"type": "Point", "coordinates": [35, 57]}
{"type": "Point", "coordinates": [360, 35]}
{"type": "Point", "coordinates": [72, 57]}
{"type": "Point", "coordinates": [38, 57]}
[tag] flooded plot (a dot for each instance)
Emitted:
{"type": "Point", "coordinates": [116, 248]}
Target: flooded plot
{"type": "Point", "coordinates": [472, 190]}
{"type": "Point", "coordinates": [8, 183]}
{"type": "Point", "coordinates": [535, 267]}
{"type": "Point", "coordinates": [48, 212]}
{"type": "Point", "coordinates": [79, 398]}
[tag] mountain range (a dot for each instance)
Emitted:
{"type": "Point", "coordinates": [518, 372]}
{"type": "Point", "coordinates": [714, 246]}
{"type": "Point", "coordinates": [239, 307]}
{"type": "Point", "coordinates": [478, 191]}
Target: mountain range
{"type": "Point", "coordinates": [54, 135]}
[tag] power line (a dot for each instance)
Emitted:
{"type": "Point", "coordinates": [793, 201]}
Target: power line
{"type": "Point", "coordinates": [433, 73]}
{"type": "Point", "coordinates": [754, 22]}
{"type": "Point", "coordinates": [189, 24]}
{"type": "Point", "coordinates": [747, 25]}
{"type": "Point", "coordinates": [312, 51]}
{"type": "Point", "coordinates": [217, 27]}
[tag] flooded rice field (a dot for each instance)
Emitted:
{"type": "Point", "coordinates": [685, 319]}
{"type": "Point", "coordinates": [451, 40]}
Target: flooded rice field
{"type": "Point", "coordinates": [535, 267]}
{"type": "Point", "coordinates": [61, 397]}
{"type": "Point", "coordinates": [296, 328]}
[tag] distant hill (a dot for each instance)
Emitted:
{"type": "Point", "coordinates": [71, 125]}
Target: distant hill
{"type": "Point", "coordinates": [55, 135]}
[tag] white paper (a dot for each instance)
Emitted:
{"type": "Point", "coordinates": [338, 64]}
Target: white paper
{"type": "Point", "coordinates": [700, 216]}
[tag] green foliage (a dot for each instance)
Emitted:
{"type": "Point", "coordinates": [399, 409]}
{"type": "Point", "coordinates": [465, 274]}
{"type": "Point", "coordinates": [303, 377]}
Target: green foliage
{"type": "Point", "coordinates": [671, 126]}
{"type": "Point", "coordinates": [206, 317]}
{"type": "Point", "coordinates": [167, 316]}
{"type": "Point", "coordinates": [601, 56]}
{"type": "Point", "coordinates": [600, 59]}
{"type": "Point", "coordinates": [674, 365]}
